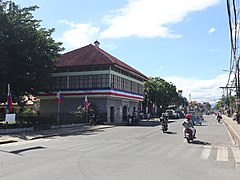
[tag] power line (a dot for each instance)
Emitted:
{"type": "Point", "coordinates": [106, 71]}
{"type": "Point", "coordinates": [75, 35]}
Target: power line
{"type": "Point", "coordinates": [234, 30]}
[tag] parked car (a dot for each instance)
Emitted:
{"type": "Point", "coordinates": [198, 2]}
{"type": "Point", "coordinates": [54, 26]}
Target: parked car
{"type": "Point", "coordinates": [172, 114]}
{"type": "Point", "coordinates": [197, 119]}
{"type": "Point", "coordinates": [147, 116]}
{"type": "Point", "coordinates": [180, 114]}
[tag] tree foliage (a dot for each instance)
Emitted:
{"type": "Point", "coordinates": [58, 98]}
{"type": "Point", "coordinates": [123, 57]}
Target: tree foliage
{"type": "Point", "coordinates": [227, 102]}
{"type": "Point", "coordinates": [81, 111]}
{"type": "Point", "coordinates": [27, 51]}
{"type": "Point", "coordinates": [161, 93]}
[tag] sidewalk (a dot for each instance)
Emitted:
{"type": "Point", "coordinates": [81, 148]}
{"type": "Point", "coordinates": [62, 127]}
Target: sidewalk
{"type": "Point", "coordinates": [233, 128]}
{"type": "Point", "coordinates": [67, 130]}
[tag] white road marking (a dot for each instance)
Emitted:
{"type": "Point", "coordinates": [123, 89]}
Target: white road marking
{"type": "Point", "coordinates": [222, 154]}
{"type": "Point", "coordinates": [236, 154]}
{"type": "Point", "coordinates": [206, 152]}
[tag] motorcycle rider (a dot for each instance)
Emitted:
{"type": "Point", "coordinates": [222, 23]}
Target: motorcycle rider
{"type": "Point", "coordinates": [187, 124]}
{"type": "Point", "coordinates": [164, 119]}
{"type": "Point", "coordinates": [218, 116]}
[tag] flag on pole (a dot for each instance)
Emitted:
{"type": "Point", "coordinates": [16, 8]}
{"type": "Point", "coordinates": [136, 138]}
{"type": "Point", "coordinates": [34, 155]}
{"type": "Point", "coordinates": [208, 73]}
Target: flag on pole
{"type": "Point", "coordinates": [9, 100]}
{"type": "Point", "coordinates": [59, 98]}
{"type": "Point", "coordinates": [86, 103]}
{"type": "Point", "coordinates": [140, 107]}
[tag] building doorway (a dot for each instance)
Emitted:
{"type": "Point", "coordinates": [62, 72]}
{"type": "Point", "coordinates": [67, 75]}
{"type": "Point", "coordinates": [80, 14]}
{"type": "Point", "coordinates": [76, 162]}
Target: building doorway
{"type": "Point", "coordinates": [124, 113]}
{"type": "Point", "coordinates": [112, 114]}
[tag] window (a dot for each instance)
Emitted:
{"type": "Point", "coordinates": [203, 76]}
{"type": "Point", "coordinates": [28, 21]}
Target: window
{"type": "Point", "coordinates": [104, 68]}
{"type": "Point", "coordinates": [59, 82]}
{"type": "Point", "coordinates": [90, 81]}
{"type": "Point", "coordinates": [82, 81]}
{"type": "Point", "coordinates": [85, 81]}
{"type": "Point", "coordinates": [88, 69]}
{"type": "Point", "coordinates": [94, 81]}
{"type": "Point", "coordinates": [97, 68]}
{"type": "Point", "coordinates": [81, 84]}
{"type": "Point", "coordinates": [72, 82]}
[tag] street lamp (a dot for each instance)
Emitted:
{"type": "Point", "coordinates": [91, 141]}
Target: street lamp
{"type": "Point", "coordinates": [146, 95]}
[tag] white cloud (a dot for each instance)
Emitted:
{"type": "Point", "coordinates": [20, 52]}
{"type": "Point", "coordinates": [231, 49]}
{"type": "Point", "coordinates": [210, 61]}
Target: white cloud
{"type": "Point", "coordinates": [78, 35]}
{"type": "Point", "coordinates": [212, 30]}
{"type": "Point", "coordinates": [142, 18]}
{"type": "Point", "coordinates": [151, 18]}
{"type": "Point", "coordinates": [111, 46]}
{"type": "Point", "coordinates": [200, 90]}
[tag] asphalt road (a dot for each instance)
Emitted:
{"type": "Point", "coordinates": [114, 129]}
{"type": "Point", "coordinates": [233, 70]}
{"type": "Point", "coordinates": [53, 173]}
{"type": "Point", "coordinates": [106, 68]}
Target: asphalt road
{"type": "Point", "coordinates": [125, 153]}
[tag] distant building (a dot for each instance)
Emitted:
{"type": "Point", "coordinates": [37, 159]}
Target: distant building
{"type": "Point", "coordinates": [113, 86]}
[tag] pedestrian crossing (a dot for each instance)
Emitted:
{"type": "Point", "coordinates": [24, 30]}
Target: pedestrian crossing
{"type": "Point", "coordinates": [217, 153]}
{"type": "Point", "coordinates": [206, 152]}
{"type": "Point", "coordinates": [222, 153]}
{"type": "Point", "coordinates": [236, 153]}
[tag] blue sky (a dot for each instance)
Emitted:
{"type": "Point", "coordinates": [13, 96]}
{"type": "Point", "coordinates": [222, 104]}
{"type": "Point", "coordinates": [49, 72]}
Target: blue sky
{"type": "Point", "coordinates": [185, 42]}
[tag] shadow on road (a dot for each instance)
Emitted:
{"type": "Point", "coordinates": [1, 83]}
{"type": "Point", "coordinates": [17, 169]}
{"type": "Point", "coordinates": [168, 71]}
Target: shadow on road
{"type": "Point", "coordinates": [200, 125]}
{"type": "Point", "coordinates": [148, 123]}
{"type": "Point", "coordinates": [26, 149]}
{"type": "Point", "coordinates": [55, 132]}
{"type": "Point", "coordinates": [88, 133]}
{"type": "Point", "coordinates": [170, 132]}
{"type": "Point", "coordinates": [198, 142]}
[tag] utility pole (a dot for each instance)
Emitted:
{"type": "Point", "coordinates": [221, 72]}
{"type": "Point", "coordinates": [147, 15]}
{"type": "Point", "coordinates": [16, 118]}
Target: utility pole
{"type": "Point", "coordinates": [228, 96]}
{"type": "Point", "coordinates": [237, 84]}
{"type": "Point", "coordinates": [233, 21]}
{"type": "Point", "coordinates": [190, 102]}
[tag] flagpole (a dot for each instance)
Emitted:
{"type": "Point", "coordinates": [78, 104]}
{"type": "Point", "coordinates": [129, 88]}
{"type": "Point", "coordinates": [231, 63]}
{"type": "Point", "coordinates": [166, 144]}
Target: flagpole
{"type": "Point", "coordinates": [7, 110]}
{"type": "Point", "coordinates": [58, 113]}
{"type": "Point", "coordinates": [86, 107]}
{"type": "Point", "coordinates": [8, 99]}
{"type": "Point", "coordinates": [58, 108]}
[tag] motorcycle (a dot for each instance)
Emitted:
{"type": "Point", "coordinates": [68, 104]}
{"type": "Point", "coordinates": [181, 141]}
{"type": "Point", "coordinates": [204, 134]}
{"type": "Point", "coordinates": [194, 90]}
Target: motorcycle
{"type": "Point", "coordinates": [164, 127]}
{"type": "Point", "coordinates": [188, 135]}
{"type": "Point", "coordinates": [219, 118]}
{"type": "Point", "coordinates": [92, 121]}
{"type": "Point", "coordinates": [95, 120]}
{"type": "Point", "coordinates": [163, 121]}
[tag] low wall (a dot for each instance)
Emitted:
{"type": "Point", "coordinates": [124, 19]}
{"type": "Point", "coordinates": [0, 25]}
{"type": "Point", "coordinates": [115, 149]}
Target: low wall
{"type": "Point", "coordinates": [232, 130]}
{"type": "Point", "coordinates": [15, 130]}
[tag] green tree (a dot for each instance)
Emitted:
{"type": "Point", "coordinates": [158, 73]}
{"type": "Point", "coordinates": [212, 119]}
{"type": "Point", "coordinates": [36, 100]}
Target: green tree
{"type": "Point", "coordinates": [227, 102]}
{"type": "Point", "coordinates": [27, 52]}
{"type": "Point", "coordinates": [207, 106]}
{"type": "Point", "coordinates": [160, 92]}
{"type": "Point", "coordinates": [183, 102]}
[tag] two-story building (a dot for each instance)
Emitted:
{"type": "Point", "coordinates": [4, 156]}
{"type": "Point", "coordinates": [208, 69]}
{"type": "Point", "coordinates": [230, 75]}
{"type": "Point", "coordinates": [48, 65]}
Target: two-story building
{"type": "Point", "coordinates": [113, 86]}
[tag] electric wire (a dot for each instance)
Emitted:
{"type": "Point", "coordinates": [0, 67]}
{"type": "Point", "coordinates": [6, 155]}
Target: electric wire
{"type": "Point", "coordinates": [231, 40]}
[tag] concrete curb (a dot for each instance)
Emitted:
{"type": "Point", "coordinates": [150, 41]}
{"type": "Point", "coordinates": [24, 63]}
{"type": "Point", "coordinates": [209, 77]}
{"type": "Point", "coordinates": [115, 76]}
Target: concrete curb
{"type": "Point", "coordinates": [62, 131]}
{"type": "Point", "coordinates": [85, 129]}
{"type": "Point", "coordinates": [15, 130]}
{"type": "Point", "coordinates": [235, 135]}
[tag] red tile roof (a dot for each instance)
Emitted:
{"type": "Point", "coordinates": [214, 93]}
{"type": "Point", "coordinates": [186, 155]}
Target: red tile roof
{"type": "Point", "coordinates": [91, 55]}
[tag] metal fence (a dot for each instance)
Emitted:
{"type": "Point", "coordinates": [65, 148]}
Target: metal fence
{"type": "Point", "coordinates": [47, 120]}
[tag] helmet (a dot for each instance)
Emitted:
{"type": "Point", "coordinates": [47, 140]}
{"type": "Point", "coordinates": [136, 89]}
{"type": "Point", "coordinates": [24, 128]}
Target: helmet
{"type": "Point", "coordinates": [188, 116]}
